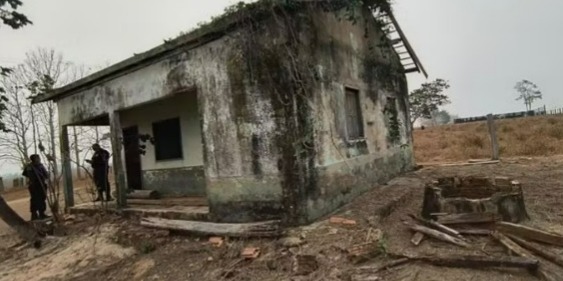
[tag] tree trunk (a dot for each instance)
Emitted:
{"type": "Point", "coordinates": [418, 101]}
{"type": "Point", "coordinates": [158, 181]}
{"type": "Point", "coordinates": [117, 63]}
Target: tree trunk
{"type": "Point", "coordinates": [24, 229]}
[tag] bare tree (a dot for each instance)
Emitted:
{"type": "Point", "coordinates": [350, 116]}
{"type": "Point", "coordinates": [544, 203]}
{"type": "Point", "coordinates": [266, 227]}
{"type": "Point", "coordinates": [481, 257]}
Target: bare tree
{"type": "Point", "coordinates": [14, 143]}
{"type": "Point", "coordinates": [528, 92]}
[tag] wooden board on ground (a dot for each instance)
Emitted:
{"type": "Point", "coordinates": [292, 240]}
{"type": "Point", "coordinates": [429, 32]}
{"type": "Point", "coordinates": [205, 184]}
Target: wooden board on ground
{"type": "Point", "coordinates": [476, 231]}
{"type": "Point", "coordinates": [538, 250]}
{"type": "Point", "coordinates": [437, 226]}
{"type": "Point", "coordinates": [417, 238]}
{"type": "Point", "coordinates": [168, 202]}
{"type": "Point", "coordinates": [479, 261]}
{"type": "Point", "coordinates": [143, 194]}
{"type": "Point", "coordinates": [438, 235]}
{"type": "Point", "coordinates": [468, 218]}
{"type": "Point", "coordinates": [529, 233]}
{"type": "Point", "coordinates": [545, 271]}
{"type": "Point", "coordinates": [258, 229]}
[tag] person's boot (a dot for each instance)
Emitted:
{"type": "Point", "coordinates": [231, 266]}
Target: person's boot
{"type": "Point", "coordinates": [100, 196]}
{"type": "Point", "coordinates": [43, 216]}
{"type": "Point", "coordinates": [34, 216]}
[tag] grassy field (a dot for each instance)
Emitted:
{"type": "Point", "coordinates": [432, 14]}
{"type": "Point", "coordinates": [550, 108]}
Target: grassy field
{"type": "Point", "coordinates": [533, 136]}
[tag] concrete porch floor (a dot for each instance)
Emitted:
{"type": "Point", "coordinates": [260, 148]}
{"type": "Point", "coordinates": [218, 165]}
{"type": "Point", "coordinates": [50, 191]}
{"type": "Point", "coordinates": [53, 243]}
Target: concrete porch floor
{"type": "Point", "coordinates": [178, 212]}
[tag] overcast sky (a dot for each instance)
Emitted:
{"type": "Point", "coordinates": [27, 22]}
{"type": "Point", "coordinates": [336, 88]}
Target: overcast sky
{"type": "Point", "coordinates": [482, 47]}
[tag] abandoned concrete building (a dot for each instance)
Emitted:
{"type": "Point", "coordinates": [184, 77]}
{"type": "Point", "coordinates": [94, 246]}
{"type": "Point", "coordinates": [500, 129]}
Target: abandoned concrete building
{"type": "Point", "coordinates": [269, 112]}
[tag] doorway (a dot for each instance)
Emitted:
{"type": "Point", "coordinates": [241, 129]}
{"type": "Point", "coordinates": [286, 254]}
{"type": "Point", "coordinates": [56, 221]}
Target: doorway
{"type": "Point", "coordinates": [132, 157]}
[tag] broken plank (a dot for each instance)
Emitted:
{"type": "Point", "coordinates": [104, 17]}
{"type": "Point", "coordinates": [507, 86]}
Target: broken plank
{"type": "Point", "coordinates": [544, 271]}
{"type": "Point", "coordinates": [189, 201]}
{"type": "Point", "coordinates": [479, 261]}
{"type": "Point", "coordinates": [538, 250]}
{"type": "Point", "coordinates": [259, 229]}
{"type": "Point", "coordinates": [529, 233]}
{"type": "Point", "coordinates": [437, 226]}
{"type": "Point", "coordinates": [468, 218]}
{"type": "Point", "coordinates": [482, 232]}
{"type": "Point", "coordinates": [417, 238]}
{"type": "Point", "coordinates": [511, 245]}
{"type": "Point", "coordinates": [438, 235]}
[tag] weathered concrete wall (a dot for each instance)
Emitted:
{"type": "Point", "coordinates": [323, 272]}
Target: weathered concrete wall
{"type": "Point", "coordinates": [351, 56]}
{"type": "Point", "coordinates": [271, 99]}
{"type": "Point", "coordinates": [167, 176]}
{"type": "Point", "coordinates": [241, 164]}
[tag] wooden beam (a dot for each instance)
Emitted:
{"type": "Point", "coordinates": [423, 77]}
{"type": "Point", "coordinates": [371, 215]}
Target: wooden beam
{"type": "Point", "coordinates": [482, 232]}
{"type": "Point", "coordinates": [259, 229]}
{"type": "Point", "coordinates": [468, 218]}
{"type": "Point", "coordinates": [407, 44]}
{"type": "Point", "coordinates": [493, 137]}
{"type": "Point", "coordinates": [544, 253]}
{"type": "Point", "coordinates": [68, 189]}
{"type": "Point", "coordinates": [480, 261]}
{"type": "Point", "coordinates": [118, 164]}
{"type": "Point", "coordinates": [438, 235]}
{"type": "Point", "coordinates": [544, 271]}
{"type": "Point", "coordinates": [530, 233]}
{"type": "Point", "coordinates": [437, 226]}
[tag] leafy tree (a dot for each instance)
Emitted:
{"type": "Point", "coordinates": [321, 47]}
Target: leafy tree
{"type": "Point", "coordinates": [427, 99]}
{"type": "Point", "coordinates": [528, 92]}
{"type": "Point", "coordinates": [442, 117]}
{"type": "Point", "coordinates": [15, 20]}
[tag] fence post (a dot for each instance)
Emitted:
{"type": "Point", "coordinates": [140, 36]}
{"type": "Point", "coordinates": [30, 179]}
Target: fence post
{"type": "Point", "coordinates": [493, 136]}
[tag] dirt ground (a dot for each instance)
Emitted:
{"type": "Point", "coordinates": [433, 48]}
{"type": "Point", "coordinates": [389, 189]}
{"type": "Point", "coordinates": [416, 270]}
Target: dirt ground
{"type": "Point", "coordinates": [116, 249]}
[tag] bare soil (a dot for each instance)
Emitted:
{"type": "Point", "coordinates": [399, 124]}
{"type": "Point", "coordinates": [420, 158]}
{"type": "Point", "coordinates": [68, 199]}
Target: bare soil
{"type": "Point", "coordinates": [126, 251]}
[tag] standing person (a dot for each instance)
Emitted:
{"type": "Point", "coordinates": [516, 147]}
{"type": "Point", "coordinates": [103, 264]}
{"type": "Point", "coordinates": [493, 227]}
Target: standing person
{"type": "Point", "coordinates": [100, 164]}
{"type": "Point", "coordinates": [38, 176]}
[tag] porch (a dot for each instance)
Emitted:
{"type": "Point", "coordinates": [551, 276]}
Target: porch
{"type": "Point", "coordinates": [155, 145]}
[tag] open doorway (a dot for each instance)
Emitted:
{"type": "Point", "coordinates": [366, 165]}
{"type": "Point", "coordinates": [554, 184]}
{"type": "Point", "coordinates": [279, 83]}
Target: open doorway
{"type": "Point", "coordinates": [132, 157]}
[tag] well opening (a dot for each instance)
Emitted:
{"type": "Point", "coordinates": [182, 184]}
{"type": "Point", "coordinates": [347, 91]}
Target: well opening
{"type": "Point", "coordinates": [501, 197]}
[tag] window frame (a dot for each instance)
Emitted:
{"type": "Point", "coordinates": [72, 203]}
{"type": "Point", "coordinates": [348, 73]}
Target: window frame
{"type": "Point", "coordinates": [359, 118]}
{"type": "Point", "coordinates": [180, 141]}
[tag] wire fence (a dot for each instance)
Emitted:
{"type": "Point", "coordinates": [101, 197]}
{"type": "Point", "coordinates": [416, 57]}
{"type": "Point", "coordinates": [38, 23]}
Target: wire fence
{"type": "Point", "coordinates": [536, 112]}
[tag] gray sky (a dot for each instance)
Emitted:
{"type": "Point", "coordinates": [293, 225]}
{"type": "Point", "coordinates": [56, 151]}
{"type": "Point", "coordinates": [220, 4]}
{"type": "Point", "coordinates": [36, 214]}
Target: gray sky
{"type": "Point", "coordinates": [482, 47]}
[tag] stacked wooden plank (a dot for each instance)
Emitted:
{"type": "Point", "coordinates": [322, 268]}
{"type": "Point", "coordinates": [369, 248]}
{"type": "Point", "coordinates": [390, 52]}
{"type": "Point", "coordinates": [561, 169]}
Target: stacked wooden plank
{"type": "Point", "coordinates": [521, 240]}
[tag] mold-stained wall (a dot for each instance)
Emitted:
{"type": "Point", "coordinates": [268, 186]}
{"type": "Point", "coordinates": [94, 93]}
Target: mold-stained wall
{"type": "Point", "coordinates": [348, 56]}
{"type": "Point", "coordinates": [271, 147]}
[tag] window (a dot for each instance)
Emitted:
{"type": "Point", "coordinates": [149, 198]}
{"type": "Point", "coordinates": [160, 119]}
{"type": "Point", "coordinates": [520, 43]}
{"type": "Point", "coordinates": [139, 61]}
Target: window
{"type": "Point", "coordinates": [167, 139]}
{"type": "Point", "coordinates": [354, 122]}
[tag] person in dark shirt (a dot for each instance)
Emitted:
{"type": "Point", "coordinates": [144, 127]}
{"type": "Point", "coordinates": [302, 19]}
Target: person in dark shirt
{"type": "Point", "coordinates": [100, 165]}
{"type": "Point", "coordinates": [37, 178]}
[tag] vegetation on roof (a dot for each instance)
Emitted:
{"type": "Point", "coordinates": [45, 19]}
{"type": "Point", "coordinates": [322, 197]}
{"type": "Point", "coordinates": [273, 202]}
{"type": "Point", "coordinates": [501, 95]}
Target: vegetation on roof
{"type": "Point", "coordinates": [257, 10]}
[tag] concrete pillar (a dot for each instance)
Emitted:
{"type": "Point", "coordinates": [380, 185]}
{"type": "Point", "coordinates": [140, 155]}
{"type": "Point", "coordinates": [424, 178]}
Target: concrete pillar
{"type": "Point", "coordinates": [67, 168]}
{"type": "Point", "coordinates": [118, 164]}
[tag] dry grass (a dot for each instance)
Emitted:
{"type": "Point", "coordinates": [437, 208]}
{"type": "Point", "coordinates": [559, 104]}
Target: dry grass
{"type": "Point", "coordinates": [534, 136]}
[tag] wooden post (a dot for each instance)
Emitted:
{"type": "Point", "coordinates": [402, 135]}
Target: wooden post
{"type": "Point", "coordinates": [493, 136]}
{"type": "Point", "coordinates": [118, 167]}
{"type": "Point", "coordinates": [67, 170]}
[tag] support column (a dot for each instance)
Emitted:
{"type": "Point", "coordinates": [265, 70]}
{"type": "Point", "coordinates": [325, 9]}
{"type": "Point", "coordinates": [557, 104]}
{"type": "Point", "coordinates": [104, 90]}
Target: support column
{"type": "Point", "coordinates": [118, 167]}
{"type": "Point", "coordinates": [67, 170]}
